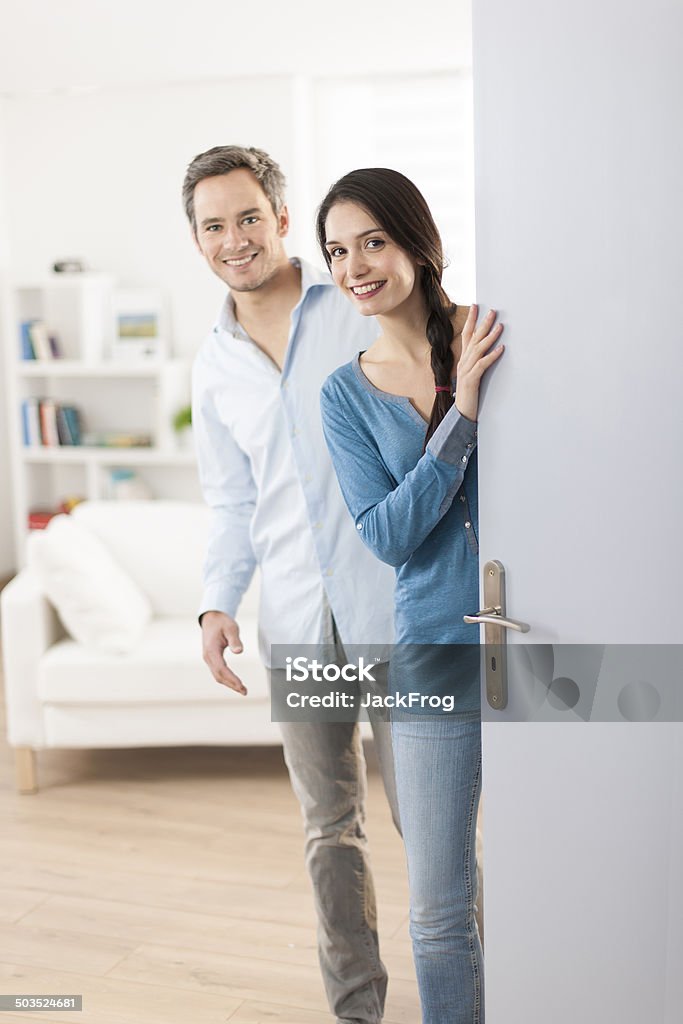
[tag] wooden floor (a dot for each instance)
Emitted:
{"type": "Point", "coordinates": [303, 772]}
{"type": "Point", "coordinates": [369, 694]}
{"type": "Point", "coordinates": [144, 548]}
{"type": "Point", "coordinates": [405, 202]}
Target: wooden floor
{"type": "Point", "coordinates": [168, 886]}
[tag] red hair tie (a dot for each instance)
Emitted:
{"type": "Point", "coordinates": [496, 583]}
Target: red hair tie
{"type": "Point", "coordinates": [440, 388]}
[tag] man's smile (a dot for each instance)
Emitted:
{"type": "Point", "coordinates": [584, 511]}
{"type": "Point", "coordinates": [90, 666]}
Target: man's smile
{"type": "Point", "coordinates": [240, 261]}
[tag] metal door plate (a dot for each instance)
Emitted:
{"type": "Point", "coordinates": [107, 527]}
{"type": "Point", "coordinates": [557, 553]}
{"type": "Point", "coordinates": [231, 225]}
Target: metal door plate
{"type": "Point", "coordinates": [495, 640]}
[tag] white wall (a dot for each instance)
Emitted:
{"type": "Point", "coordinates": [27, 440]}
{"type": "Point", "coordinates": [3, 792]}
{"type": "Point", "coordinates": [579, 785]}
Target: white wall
{"type": "Point", "coordinates": [98, 177]}
{"type": "Point", "coordinates": [96, 43]}
{"type": "Point", "coordinates": [99, 126]}
{"type": "Point", "coordinates": [7, 562]}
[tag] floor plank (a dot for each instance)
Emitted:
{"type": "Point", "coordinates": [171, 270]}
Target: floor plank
{"type": "Point", "coordinates": [107, 1001]}
{"type": "Point", "coordinates": [135, 924]}
{"type": "Point", "coordinates": [169, 886]}
{"type": "Point", "coordinates": [267, 1013]}
{"type": "Point", "coordinates": [15, 903]}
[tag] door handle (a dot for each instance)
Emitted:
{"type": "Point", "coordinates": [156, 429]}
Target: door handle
{"type": "Point", "coordinates": [495, 623]}
{"type": "Point", "coordinates": [493, 617]}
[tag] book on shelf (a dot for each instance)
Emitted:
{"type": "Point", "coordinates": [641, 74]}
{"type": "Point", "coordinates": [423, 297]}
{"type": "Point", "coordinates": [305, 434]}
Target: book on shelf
{"type": "Point", "coordinates": [38, 518]}
{"type": "Point", "coordinates": [68, 425]}
{"type": "Point", "coordinates": [38, 341]}
{"type": "Point", "coordinates": [47, 424]}
{"type": "Point", "coordinates": [116, 439]}
{"type": "Point", "coordinates": [26, 343]}
{"type": "Point", "coordinates": [30, 417]}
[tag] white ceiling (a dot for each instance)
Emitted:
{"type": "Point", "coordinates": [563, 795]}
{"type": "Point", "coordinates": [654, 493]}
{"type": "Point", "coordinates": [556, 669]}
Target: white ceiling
{"type": "Point", "coordinates": [48, 46]}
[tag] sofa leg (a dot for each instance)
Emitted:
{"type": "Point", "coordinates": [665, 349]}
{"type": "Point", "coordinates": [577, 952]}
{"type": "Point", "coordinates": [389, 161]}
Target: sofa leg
{"type": "Point", "coordinates": [25, 761]}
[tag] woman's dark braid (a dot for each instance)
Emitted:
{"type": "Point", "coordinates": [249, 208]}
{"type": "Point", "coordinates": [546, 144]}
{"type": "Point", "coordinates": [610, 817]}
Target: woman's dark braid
{"type": "Point", "coordinates": [440, 338]}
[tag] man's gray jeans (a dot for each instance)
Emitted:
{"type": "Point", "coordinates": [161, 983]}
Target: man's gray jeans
{"type": "Point", "coordinates": [327, 771]}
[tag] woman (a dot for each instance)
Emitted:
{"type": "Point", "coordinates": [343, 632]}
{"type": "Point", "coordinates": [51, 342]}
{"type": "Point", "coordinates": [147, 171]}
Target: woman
{"type": "Point", "coordinates": [400, 422]}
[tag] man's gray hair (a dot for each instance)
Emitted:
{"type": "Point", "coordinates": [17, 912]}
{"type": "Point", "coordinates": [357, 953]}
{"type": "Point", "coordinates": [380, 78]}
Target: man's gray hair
{"type": "Point", "coordinates": [222, 160]}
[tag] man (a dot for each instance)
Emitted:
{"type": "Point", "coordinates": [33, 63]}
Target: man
{"type": "Point", "coordinates": [275, 503]}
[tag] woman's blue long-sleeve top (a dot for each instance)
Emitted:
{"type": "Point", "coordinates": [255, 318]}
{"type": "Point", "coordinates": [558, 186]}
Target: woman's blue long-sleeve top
{"type": "Point", "coordinates": [416, 511]}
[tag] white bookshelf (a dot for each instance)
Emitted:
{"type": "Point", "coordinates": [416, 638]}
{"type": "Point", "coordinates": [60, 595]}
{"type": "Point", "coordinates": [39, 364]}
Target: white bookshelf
{"type": "Point", "coordinates": [73, 368]}
{"type": "Point", "coordinates": [134, 398]}
{"type": "Point", "coordinates": [107, 456]}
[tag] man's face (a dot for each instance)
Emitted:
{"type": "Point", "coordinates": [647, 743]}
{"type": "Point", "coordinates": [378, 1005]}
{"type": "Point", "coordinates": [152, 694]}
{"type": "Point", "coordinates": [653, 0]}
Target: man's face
{"type": "Point", "coordinates": [238, 233]}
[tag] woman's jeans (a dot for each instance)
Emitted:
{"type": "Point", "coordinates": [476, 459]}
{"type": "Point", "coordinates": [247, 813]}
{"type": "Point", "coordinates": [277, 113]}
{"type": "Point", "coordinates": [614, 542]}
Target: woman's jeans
{"type": "Point", "coordinates": [438, 777]}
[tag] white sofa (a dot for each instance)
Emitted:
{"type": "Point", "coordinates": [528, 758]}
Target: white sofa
{"type": "Point", "coordinates": [158, 691]}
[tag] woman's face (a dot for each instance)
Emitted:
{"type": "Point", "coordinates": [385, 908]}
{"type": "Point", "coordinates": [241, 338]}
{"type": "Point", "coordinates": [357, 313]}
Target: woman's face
{"type": "Point", "coordinates": [372, 271]}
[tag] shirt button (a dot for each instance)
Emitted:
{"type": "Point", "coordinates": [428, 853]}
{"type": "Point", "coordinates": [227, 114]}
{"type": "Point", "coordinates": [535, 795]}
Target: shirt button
{"type": "Point", "coordinates": [295, 432]}
{"type": "Point", "coordinates": [317, 526]}
{"type": "Point", "coordinates": [462, 497]}
{"type": "Point", "coordinates": [330, 572]}
{"type": "Point", "coordinates": [467, 525]}
{"type": "Point", "coordinates": [464, 458]}
{"type": "Point", "coordinates": [468, 446]}
{"type": "Point", "coordinates": [359, 526]}
{"type": "Point", "coordinates": [285, 385]}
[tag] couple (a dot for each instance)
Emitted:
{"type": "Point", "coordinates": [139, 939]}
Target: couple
{"type": "Point", "coordinates": [400, 425]}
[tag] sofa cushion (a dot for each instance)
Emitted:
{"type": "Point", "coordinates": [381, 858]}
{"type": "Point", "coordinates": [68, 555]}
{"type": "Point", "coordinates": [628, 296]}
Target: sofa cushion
{"type": "Point", "coordinates": [160, 544]}
{"type": "Point", "coordinates": [99, 604]}
{"type": "Point", "coordinates": [165, 667]}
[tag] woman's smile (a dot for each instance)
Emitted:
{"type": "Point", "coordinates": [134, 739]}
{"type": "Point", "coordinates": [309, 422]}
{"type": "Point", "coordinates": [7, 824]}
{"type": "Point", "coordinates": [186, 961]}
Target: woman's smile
{"type": "Point", "coordinates": [366, 291]}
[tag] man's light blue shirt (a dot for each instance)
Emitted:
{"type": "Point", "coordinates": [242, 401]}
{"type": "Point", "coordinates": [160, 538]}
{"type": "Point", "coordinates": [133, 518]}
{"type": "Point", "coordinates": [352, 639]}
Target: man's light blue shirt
{"type": "Point", "coordinates": [267, 477]}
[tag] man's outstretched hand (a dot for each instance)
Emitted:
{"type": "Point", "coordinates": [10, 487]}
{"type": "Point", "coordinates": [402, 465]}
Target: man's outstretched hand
{"type": "Point", "coordinates": [219, 632]}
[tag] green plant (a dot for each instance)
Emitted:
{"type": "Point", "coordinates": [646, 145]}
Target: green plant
{"type": "Point", "coordinates": [183, 418]}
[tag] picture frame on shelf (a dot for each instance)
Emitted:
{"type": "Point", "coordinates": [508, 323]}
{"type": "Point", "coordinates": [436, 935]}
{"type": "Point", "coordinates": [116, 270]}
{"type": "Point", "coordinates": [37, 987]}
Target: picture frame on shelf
{"type": "Point", "coordinates": [139, 326]}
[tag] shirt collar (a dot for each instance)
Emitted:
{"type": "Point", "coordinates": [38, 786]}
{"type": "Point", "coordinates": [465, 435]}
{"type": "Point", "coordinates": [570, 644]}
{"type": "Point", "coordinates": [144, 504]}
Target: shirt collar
{"type": "Point", "coordinates": [311, 277]}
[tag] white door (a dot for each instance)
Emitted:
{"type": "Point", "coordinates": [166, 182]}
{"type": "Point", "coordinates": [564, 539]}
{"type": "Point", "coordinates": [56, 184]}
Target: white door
{"type": "Point", "coordinates": [579, 215]}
